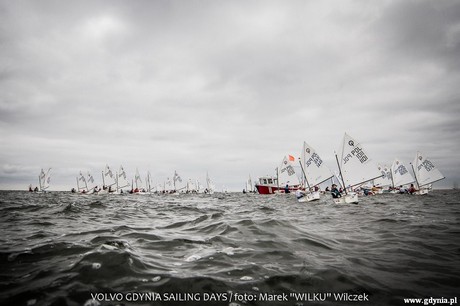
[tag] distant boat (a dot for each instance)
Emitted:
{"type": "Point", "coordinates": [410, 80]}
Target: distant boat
{"type": "Point", "coordinates": [383, 183]}
{"type": "Point", "coordinates": [84, 187]}
{"type": "Point", "coordinates": [425, 173]}
{"type": "Point", "coordinates": [286, 177]}
{"type": "Point", "coordinates": [249, 187]}
{"type": "Point", "coordinates": [314, 171]}
{"type": "Point", "coordinates": [109, 181]}
{"type": "Point", "coordinates": [191, 187]}
{"type": "Point", "coordinates": [44, 180]}
{"type": "Point", "coordinates": [400, 175]}
{"type": "Point", "coordinates": [355, 168]}
{"type": "Point", "coordinates": [122, 181]}
{"type": "Point", "coordinates": [267, 185]}
{"type": "Point", "coordinates": [138, 184]}
{"type": "Point", "coordinates": [209, 185]}
{"type": "Point", "coordinates": [148, 183]}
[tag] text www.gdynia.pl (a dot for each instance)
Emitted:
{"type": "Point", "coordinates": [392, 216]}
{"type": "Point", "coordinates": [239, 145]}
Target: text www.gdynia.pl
{"type": "Point", "coordinates": [431, 301]}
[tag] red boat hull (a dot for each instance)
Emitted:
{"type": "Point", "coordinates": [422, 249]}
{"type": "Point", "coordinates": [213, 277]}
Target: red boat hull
{"type": "Point", "coordinates": [271, 189]}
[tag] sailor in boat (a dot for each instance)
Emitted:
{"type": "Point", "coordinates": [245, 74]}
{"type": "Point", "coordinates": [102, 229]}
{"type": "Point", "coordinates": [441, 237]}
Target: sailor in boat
{"type": "Point", "coordinates": [402, 189]}
{"type": "Point", "coordinates": [411, 189]}
{"type": "Point", "coordinates": [335, 192]}
{"type": "Point", "coordinates": [286, 189]}
{"type": "Point", "coordinates": [36, 189]}
{"type": "Point", "coordinates": [299, 193]}
{"type": "Point", "coordinates": [375, 189]}
{"type": "Point", "coordinates": [30, 188]}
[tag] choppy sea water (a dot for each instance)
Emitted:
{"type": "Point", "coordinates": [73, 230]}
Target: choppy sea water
{"type": "Point", "coordinates": [227, 249]}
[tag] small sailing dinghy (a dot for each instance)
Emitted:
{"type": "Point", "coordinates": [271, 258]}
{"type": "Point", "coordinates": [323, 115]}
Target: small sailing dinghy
{"type": "Point", "coordinates": [314, 172]}
{"type": "Point", "coordinates": [249, 187]}
{"type": "Point", "coordinates": [44, 180]}
{"type": "Point", "coordinates": [138, 183]}
{"type": "Point", "coordinates": [122, 181]}
{"type": "Point", "coordinates": [109, 181]}
{"type": "Point", "coordinates": [400, 175]}
{"type": "Point", "coordinates": [384, 183]}
{"type": "Point", "coordinates": [355, 168]}
{"type": "Point", "coordinates": [425, 173]}
{"type": "Point", "coordinates": [209, 185]}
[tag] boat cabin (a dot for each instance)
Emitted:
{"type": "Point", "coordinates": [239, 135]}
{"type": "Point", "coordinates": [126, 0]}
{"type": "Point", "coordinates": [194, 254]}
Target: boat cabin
{"type": "Point", "coordinates": [268, 180]}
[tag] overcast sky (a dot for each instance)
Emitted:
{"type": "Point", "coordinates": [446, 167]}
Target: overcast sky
{"type": "Point", "coordinates": [228, 87]}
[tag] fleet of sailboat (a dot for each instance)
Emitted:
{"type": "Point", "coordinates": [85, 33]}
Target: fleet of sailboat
{"type": "Point", "coordinates": [355, 170]}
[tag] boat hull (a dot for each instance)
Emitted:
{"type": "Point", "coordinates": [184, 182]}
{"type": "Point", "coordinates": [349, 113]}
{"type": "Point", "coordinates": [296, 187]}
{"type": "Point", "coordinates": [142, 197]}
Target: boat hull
{"type": "Point", "coordinates": [309, 197]}
{"type": "Point", "coordinates": [422, 191]}
{"type": "Point", "coordinates": [350, 198]}
{"type": "Point", "coordinates": [272, 189]}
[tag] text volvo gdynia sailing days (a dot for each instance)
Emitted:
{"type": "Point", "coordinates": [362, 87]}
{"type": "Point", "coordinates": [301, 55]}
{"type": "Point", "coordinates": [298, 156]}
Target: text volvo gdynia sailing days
{"type": "Point", "coordinates": [155, 296]}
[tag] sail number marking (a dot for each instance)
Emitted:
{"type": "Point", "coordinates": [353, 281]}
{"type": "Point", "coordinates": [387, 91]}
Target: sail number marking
{"type": "Point", "coordinates": [358, 153]}
{"type": "Point", "coordinates": [427, 165]}
{"type": "Point", "coordinates": [315, 159]}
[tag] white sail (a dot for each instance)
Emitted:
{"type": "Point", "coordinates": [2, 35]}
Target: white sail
{"type": "Point", "coordinates": [82, 184]}
{"type": "Point", "coordinates": [177, 182]}
{"type": "Point", "coordinates": [122, 179]}
{"type": "Point", "coordinates": [168, 186]}
{"type": "Point", "coordinates": [385, 180]}
{"type": "Point", "coordinates": [209, 185]}
{"type": "Point", "coordinates": [400, 174]}
{"type": "Point", "coordinates": [315, 170]}
{"type": "Point", "coordinates": [109, 180]}
{"type": "Point", "coordinates": [199, 187]}
{"type": "Point", "coordinates": [44, 180]}
{"type": "Point", "coordinates": [287, 174]}
{"type": "Point", "coordinates": [249, 187]}
{"type": "Point", "coordinates": [91, 185]}
{"type": "Point", "coordinates": [137, 179]}
{"type": "Point", "coordinates": [191, 187]}
{"type": "Point", "coordinates": [355, 164]}
{"type": "Point", "coordinates": [148, 182]}
{"type": "Point", "coordinates": [425, 171]}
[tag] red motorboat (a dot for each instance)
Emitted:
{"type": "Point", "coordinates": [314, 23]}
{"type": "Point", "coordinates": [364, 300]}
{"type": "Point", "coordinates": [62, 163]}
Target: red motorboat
{"type": "Point", "coordinates": [269, 185]}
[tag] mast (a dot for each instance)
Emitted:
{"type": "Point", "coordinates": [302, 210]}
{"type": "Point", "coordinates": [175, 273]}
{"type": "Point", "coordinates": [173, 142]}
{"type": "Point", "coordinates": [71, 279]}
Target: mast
{"type": "Point", "coordinates": [392, 180]}
{"type": "Point", "coordinates": [340, 172]}
{"type": "Point", "coordinates": [103, 180]}
{"type": "Point", "coordinates": [415, 175]}
{"type": "Point", "coordinates": [277, 178]}
{"type": "Point", "coordinates": [116, 175]}
{"type": "Point", "coordinates": [304, 175]}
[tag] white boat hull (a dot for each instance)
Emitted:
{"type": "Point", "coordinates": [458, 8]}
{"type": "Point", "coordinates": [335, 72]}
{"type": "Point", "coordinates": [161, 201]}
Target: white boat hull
{"type": "Point", "coordinates": [422, 191]}
{"type": "Point", "coordinates": [350, 198]}
{"type": "Point", "coordinates": [313, 196]}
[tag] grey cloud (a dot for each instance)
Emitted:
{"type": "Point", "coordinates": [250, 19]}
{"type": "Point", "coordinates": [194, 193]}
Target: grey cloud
{"type": "Point", "coordinates": [229, 87]}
